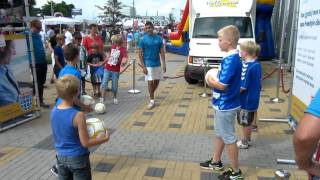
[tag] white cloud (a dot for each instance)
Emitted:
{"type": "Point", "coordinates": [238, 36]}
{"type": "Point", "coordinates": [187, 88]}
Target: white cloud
{"type": "Point", "coordinates": [164, 7]}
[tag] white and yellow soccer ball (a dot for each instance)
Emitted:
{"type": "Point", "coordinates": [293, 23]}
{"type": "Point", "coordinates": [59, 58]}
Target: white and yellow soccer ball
{"type": "Point", "coordinates": [87, 100]}
{"type": "Point", "coordinates": [96, 128]}
{"type": "Point", "coordinates": [100, 108]}
{"type": "Point", "coordinates": [213, 73]}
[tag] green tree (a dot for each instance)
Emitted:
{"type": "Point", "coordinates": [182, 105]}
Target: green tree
{"type": "Point", "coordinates": [62, 7]}
{"type": "Point", "coordinates": [111, 10]}
{"type": "Point", "coordinates": [33, 10]}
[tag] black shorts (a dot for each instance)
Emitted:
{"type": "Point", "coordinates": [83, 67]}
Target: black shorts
{"type": "Point", "coordinates": [245, 118]}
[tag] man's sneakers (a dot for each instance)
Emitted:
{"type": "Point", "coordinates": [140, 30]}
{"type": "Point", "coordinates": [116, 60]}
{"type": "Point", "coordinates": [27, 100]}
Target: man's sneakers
{"type": "Point", "coordinates": [115, 101]}
{"type": "Point", "coordinates": [151, 104]}
{"type": "Point", "coordinates": [54, 170]}
{"type": "Point", "coordinates": [243, 144]}
{"type": "Point", "coordinates": [210, 165]}
{"type": "Point", "coordinates": [230, 174]}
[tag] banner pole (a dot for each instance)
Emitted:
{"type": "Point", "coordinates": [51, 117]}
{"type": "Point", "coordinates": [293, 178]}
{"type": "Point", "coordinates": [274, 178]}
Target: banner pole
{"type": "Point", "coordinates": [32, 55]}
{"type": "Point", "coordinates": [205, 94]}
{"type": "Point", "coordinates": [277, 99]}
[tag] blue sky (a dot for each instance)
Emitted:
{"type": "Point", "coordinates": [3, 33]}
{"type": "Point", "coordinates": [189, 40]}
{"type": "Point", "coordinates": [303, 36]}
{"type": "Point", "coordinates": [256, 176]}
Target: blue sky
{"type": "Point", "coordinates": [89, 11]}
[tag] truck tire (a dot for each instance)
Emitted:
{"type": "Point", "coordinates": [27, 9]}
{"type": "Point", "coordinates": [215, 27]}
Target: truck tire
{"type": "Point", "coordinates": [188, 78]}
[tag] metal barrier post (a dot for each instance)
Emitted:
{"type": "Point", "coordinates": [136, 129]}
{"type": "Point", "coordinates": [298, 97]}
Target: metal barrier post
{"type": "Point", "coordinates": [205, 94]}
{"type": "Point", "coordinates": [134, 90]}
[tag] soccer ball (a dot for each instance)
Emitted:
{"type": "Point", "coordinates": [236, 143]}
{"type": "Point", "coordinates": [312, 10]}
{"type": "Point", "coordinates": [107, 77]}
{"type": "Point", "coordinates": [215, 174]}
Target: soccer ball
{"type": "Point", "coordinates": [212, 73]}
{"type": "Point", "coordinates": [100, 108]}
{"type": "Point", "coordinates": [95, 128]}
{"type": "Point", "coordinates": [87, 100]}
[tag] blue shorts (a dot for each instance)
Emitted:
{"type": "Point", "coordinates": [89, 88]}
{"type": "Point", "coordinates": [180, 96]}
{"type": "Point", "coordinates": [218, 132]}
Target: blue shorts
{"type": "Point", "coordinates": [224, 125]}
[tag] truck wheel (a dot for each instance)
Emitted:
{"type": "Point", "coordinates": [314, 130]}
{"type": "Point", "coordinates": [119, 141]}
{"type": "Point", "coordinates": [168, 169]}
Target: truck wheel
{"type": "Point", "coordinates": [188, 78]}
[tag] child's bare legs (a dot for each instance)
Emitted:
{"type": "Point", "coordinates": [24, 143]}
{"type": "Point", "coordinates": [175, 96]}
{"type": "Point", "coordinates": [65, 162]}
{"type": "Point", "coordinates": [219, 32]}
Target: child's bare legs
{"type": "Point", "coordinates": [246, 130]}
{"type": "Point", "coordinates": [218, 149]}
{"type": "Point", "coordinates": [254, 125]}
{"type": "Point", "coordinates": [233, 153]}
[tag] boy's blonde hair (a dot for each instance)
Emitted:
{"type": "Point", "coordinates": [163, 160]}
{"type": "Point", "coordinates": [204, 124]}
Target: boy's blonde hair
{"type": "Point", "coordinates": [250, 47]}
{"type": "Point", "coordinates": [70, 52]}
{"type": "Point", "coordinates": [117, 39]}
{"type": "Point", "coordinates": [67, 86]}
{"type": "Point", "coordinates": [231, 33]}
{"type": "Point", "coordinates": [60, 37]}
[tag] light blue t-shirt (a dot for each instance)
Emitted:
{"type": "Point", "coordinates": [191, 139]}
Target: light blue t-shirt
{"type": "Point", "coordinates": [69, 70]}
{"type": "Point", "coordinates": [230, 76]}
{"type": "Point", "coordinates": [251, 83]}
{"type": "Point", "coordinates": [151, 46]}
{"type": "Point", "coordinates": [314, 107]}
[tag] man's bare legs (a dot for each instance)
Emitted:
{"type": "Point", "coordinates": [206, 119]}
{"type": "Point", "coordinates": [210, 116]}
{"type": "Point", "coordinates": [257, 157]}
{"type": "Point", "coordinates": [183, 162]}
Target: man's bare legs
{"type": "Point", "coordinates": [152, 87]}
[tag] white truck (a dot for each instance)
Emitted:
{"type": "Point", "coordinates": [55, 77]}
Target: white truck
{"type": "Point", "coordinates": [206, 18]}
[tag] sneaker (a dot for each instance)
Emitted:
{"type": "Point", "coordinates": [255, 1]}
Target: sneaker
{"type": "Point", "coordinates": [44, 105]}
{"type": "Point", "coordinates": [254, 128]}
{"type": "Point", "coordinates": [210, 165]}
{"type": "Point", "coordinates": [243, 144]}
{"type": "Point", "coordinates": [230, 174]}
{"type": "Point", "coordinates": [101, 100]}
{"type": "Point", "coordinates": [151, 105]}
{"type": "Point", "coordinates": [54, 170]}
{"type": "Point", "coordinates": [115, 101]}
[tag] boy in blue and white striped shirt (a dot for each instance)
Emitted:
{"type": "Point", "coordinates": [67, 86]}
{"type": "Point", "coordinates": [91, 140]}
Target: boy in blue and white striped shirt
{"type": "Point", "coordinates": [249, 90]}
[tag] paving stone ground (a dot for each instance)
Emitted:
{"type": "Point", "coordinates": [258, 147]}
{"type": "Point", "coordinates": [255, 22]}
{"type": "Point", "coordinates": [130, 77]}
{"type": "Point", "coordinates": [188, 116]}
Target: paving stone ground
{"type": "Point", "coordinates": [167, 142]}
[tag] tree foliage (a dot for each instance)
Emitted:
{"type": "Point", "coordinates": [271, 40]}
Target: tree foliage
{"type": "Point", "coordinates": [62, 7]}
{"type": "Point", "coordinates": [33, 10]}
{"type": "Point", "coordinates": [111, 10]}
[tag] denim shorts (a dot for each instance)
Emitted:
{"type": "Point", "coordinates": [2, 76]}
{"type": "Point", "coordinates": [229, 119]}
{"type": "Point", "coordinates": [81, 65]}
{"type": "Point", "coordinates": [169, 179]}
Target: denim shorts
{"type": "Point", "coordinates": [224, 125]}
{"type": "Point", "coordinates": [114, 77]}
{"type": "Point", "coordinates": [74, 167]}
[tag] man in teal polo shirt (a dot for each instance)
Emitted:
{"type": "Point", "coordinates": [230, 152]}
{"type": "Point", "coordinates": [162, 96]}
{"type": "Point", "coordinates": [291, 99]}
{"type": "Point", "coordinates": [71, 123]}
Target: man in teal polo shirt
{"type": "Point", "coordinates": [150, 46]}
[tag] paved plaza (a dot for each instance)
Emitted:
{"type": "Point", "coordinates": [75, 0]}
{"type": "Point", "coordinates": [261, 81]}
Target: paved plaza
{"type": "Point", "coordinates": [167, 142]}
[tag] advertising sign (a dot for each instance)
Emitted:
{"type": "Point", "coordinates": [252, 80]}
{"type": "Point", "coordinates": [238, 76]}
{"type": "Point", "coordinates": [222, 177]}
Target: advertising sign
{"type": "Point", "coordinates": [16, 94]}
{"type": "Point", "coordinates": [307, 63]}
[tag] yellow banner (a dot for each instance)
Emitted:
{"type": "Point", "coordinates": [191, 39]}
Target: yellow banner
{"type": "Point", "coordinates": [297, 108]}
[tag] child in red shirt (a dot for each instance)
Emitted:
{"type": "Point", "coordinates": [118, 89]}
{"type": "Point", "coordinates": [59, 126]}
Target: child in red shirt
{"type": "Point", "coordinates": [118, 57]}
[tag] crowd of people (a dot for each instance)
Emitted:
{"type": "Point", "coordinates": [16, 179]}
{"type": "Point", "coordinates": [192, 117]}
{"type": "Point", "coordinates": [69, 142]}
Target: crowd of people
{"type": "Point", "coordinates": [236, 95]}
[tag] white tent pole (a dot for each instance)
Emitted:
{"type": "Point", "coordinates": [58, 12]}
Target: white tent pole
{"type": "Point", "coordinates": [32, 54]}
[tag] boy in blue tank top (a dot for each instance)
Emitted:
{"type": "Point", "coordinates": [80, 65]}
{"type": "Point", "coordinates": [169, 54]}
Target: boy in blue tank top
{"type": "Point", "coordinates": [249, 90]}
{"type": "Point", "coordinates": [226, 103]}
{"type": "Point", "coordinates": [71, 54]}
{"type": "Point", "coordinates": [70, 135]}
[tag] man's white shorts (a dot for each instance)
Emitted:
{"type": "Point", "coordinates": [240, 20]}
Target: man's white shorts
{"type": "Point", "coordinates": [154, 73]}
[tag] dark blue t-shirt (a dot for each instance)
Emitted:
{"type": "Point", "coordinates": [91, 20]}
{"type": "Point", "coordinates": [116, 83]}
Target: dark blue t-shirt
{"type": "Point", "coordinates": [251, 84]}
{"type": "Point", "coordinates": [151, 46]}
{"type": "Point", "coordinates": [39, 52]}
{"type": "Point", "coordinates": [58, 51]}
{"type": "Point", "coordinates": [314, 107]}
{"type": "Point", "coordinates": [230, 76]}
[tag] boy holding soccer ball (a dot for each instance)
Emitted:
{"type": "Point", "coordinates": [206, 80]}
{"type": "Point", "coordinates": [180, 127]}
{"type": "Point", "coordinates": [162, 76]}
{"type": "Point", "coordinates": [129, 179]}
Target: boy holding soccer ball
{"type": "Point", "coordinates": [71, 54]}
{"type": "Point", "coordinates": [249, 90]}
{"type": "Point", "coordinates": [226, 103]}
{"type": "Point", "coordinates": [70, 134]}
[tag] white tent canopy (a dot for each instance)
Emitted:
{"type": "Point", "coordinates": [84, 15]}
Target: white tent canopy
{"type": "Point", "coordinates": [60, 20]}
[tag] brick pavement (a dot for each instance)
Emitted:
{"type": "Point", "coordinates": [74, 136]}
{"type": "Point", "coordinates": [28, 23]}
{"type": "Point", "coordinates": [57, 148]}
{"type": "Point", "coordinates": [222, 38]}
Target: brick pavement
{"type": "Point", "coordinates": [167, 142]}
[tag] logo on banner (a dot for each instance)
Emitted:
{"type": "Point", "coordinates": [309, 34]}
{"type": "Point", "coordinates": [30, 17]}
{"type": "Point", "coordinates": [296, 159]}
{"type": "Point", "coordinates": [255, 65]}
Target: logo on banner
{"type": "Point", "coordinates": [223, 3]}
